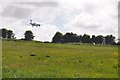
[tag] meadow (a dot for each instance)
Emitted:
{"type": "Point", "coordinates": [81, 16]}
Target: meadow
{"type": "Point", "coordinates": [22, 59]}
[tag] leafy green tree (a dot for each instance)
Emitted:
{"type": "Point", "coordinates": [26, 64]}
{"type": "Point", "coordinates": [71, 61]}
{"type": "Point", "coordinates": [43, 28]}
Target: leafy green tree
{"type": "Point", "coordinates": [93, 39]}
{"type": "Point", "coordinates": [86, 38]}
{"type": "Point", "coordinates": [99, 39]}
{"type": "Point", "coordinates": [4, 33]}
{"type": "Point", "coordinates": [13, 36]}
{"type": "Point", "coordinates": [109, 39]}
{"type": "Point", "coordinates": [58, 38]}
{"type": "Point", "coordinates": [0, 33]}
{"type": "Point", "coordinates": [80, 38]}
{"type": "Point", "coordinates": [70, 37]}
{"type": "Point", "coordinates": [9, 34]}
{"type": "Point", "coordinates": [29, 35]}
{"type": "Point", "coordinates": [67, 37]}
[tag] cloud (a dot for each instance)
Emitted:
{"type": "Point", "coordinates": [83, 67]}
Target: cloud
{"type": "Point", "coordinates": [40, 4]}
{"type": "Point", "coordinates": [12, 11]}
{"type": "Point", "coordinates": [78, 16]}
{"type": "Point", "coordinates": [24, 10]}
{"type": "Point", "coordinates": [28, 0]}
{"type": "Point", "coordinates": [16, 17]}
{"type": "Point", "coordinates": [94, 17]}
{"type": "Point", "coordinates": [119, 20]}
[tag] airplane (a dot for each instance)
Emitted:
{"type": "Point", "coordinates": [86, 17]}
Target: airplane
{"type": "Point", "coordinates": [34, 24]}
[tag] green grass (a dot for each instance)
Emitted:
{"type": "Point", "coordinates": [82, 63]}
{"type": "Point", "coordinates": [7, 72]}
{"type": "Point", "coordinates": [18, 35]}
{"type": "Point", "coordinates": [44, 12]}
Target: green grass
{"type": "Point", "coordinates": [65, 61]}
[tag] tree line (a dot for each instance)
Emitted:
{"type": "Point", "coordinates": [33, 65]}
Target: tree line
{"type": "Point", "coordinates": [69, 37]}
{"type": "Point", "coordinates": [4, 33]}
{"type": "Point", "coordinates": [72, 37]}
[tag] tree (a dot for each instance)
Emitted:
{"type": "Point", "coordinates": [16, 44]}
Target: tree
{"type": "Point", "coordinates": [93, 39]}
{"type": "Point", "coordinates": [9, 34]}
{"type": "Point", "coordinates": [13, 36]}
{"type": "Point", "coordinates": [99, 39]}
{"type": "Point", "coordinates": [70, 37]}
{"type": "Point", "coordinates": [58, 38]}
{"type": "Point", "coordinates": [67, 37]}
{"type": "Point", "coordinates": [29, 35]}
{"type": "Point", "coordinates": [4, 33]}
{"type": "Point", "coordinates": [0, 33]}
{"type": "Point", "coordinates": [80, 38]}
{"type": "Point", "coordinates": [86, 38]}
{"type": "Point", "coordinates": [109, 39]}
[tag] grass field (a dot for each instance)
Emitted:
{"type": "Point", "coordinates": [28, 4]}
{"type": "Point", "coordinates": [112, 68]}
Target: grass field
{"type": "Point", "coordinates": [48, 60]}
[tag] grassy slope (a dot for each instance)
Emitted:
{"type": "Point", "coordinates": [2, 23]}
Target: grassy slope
{"type": "Point", "coordinates": [66, 61]}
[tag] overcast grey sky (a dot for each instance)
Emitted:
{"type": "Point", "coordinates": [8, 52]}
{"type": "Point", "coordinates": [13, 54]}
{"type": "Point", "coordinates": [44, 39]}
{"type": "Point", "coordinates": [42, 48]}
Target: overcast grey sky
{"type": "Point", "coordinates": [78, 16]}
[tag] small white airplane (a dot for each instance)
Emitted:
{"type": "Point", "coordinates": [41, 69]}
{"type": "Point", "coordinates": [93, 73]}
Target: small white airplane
{"type": "Point", "coordinates": [34, 24]}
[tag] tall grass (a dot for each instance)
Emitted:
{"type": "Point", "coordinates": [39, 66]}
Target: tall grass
{"type": "Point", "coordinates": [58, 60]}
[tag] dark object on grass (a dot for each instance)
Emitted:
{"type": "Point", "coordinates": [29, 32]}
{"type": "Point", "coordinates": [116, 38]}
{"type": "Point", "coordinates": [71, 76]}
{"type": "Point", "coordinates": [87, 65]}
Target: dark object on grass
{"type": "Point", "coordinates": [46, 42]}
{"type": "Point", "coordinates": [20, 56]}
{"type": "Point", "coordinates": [32, 55]}
{"type": "Point", "coordinates": [47, 56]}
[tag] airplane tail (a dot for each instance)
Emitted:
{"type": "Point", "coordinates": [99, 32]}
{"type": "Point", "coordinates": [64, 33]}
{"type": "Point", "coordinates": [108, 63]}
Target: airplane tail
{"type": "Point", "coordinates": [30, 21]}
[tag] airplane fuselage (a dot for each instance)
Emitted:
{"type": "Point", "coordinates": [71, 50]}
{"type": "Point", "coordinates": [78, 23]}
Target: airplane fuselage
{"type": "Point", "coordinates": [34, 24]}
